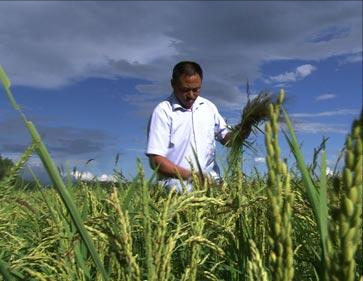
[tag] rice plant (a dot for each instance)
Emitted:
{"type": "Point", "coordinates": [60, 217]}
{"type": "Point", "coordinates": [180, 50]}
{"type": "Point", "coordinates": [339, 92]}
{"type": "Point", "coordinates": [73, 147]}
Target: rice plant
{"type": "Point", "coordinates": [281, 200]}
{"type": "Point", "coordinates": [54, 174]}
{"type": "Point", "coordinates": [346, 231]}
{"type": "Point", "coordinates": [253, 114]}
{"type": "Point", "coordinates": [282, 225]}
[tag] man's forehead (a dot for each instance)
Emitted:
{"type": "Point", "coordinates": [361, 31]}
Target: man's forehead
{"type": "Point", "coordinates": [185, 78]}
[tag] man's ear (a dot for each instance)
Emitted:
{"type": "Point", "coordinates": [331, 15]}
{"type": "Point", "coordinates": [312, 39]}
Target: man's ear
{"type": "Point", "coordinates": [172, 83]}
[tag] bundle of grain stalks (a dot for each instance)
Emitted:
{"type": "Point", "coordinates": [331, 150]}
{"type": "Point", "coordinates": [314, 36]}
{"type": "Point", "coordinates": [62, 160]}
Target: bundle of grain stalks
{"type": "Point", "coordinates": [253, 114]}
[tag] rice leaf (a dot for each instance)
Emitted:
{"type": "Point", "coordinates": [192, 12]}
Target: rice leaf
{"type": "Point", "coordinates": [4, 78]}
{"type": "Point", "coordinates": [318, 201]}
{"type": "Point", "coordinates": [56, 178]}
{"type": "Point", "coordinates": [5, 272]}
{"type": "Point", "coordinates": [323, 198]}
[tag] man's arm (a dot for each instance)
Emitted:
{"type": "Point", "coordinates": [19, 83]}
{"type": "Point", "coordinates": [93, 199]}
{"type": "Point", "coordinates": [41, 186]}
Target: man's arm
{"type": "Point", "coordinates": [168, 168]}
{"type": "Point", "coordinates": [220, 125]}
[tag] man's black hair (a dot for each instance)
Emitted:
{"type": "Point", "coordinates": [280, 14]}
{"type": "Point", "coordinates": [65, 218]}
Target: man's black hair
{"type": "Point", "coordinates": [188, 68]}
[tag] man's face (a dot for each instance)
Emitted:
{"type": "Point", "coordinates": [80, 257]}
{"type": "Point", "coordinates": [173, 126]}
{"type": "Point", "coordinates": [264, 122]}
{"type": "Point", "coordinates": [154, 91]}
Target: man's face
{"type": "Point", "coordinates": [187, 89]}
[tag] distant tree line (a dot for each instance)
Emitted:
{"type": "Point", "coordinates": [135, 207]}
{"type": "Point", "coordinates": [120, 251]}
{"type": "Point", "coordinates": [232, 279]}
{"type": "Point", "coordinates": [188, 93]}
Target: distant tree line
{"type": "Point", "coordinates": [5, 166]}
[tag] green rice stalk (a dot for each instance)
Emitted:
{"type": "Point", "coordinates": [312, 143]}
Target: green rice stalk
{"type": "Point", "coordinates": [161, 265]}
{"type": "Point", "coordinates": [124, 236]}
{"type": "Point", "coordinates": [79, 247]}
{"type": "Point", "coordinates": [256, 269]}
{"type": "Point", "coordinates": [14, 171]}
{"type": "Point", "coordinates": [238, 218]}
{"type": "Point", "coordinates": [255, 112]}
{"type": "Point", "coordinates": [4, 271]}
{"type": "Point", "coordinates": [151, 272]}
{"type": "Point", "coordinates": [205, 242]}
{"type": "Point", "coordinates": [349, 223]}
{"type": "Point", "coordinates": [35, 274]}
{"type": "Point", "coordinates": [129, 198]}
{"type": "Point", "coordinates": [195, 261]}
{"type": "Point", "coordinates": [317, 151]}
{"type": "Point", "coordinates": [55, 176]}
{"type": "Point", "coordinates": [281, 200]}
{"type": "Point", "coordinates": [45, 198]}
{"type": "Point", "coordinates": [170, 248]}
{"type": "Point", "coordinates": [316, 197]}
{"type": "Point", "coordinates": [195, 199]}
{"type": "Point", "coordinates": [210, 276]}
{"type": "Point", "coordinates": [166, 237]}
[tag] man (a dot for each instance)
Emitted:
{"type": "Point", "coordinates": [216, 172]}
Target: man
{"type": "Point", "coordinates": [182, 130]}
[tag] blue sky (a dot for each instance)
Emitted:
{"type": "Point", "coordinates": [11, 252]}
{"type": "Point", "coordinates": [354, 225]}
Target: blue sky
{"type": "Point", "coordinates": [88, 74]}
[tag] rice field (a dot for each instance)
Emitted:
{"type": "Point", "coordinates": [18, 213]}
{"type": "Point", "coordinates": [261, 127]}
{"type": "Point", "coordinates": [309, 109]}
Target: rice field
{"type": "Point", "coordinates": [282, 225]}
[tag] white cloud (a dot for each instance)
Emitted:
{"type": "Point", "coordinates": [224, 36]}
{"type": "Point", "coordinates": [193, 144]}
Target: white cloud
{"type": "Point", "coordinates": [301, 72]}
{"type": "Point", "coordinates": [329, 171]}
{"type": "Point", "coordinates": [282, 78]}
{"type": "Point", "coordinates": [327, 113]}
{"type": "Point", "coordinates": [304, 70]}
{"type": "Point", "coordinates": [325, 97]}
{"type": "Point", "coordinates": [260, 160]}
{"type": "Point", "coordinates": [353, 58]}
{"type": "Point", "coordinates": [78, 41]}
{"type": "Point", "coordinates": [320, 128]}
{"type": "Point", "coordinates": [88, 176]}
{"type": "Point", "coordinates": [231, 40]}
{"type": "Point", "coordinates": [105, 177]}
{"type": "Point", "coordinates": [329, 33]}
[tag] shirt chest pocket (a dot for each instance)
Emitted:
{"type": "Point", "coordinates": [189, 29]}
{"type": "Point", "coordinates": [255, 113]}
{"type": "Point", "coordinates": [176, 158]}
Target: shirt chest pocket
{"type": "Point", "coordinates": [204, 126]}
{"type": "Point", "coordinates": [180, 132]}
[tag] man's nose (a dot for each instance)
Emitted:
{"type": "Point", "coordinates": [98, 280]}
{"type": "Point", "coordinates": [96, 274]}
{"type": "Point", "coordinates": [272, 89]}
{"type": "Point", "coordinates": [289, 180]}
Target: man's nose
{"type": "Point", "coordinates": [191, 94]}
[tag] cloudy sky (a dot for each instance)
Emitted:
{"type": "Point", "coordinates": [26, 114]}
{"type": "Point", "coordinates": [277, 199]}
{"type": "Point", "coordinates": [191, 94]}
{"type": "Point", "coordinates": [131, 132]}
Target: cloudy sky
{"type": "Point", "coordinates": [88, 74]}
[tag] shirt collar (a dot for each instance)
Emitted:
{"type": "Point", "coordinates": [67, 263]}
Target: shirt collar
{"type": "Point", "coordinates": [175, 104]}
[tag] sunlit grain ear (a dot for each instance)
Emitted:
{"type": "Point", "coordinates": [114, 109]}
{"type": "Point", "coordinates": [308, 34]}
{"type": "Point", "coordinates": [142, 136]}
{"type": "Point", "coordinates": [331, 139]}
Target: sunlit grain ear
{"type": "Point", "coordinates": [281, 199]}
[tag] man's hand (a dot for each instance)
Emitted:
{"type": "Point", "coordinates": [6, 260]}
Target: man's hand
{"type": "Point", "coordinates": [243, 133]}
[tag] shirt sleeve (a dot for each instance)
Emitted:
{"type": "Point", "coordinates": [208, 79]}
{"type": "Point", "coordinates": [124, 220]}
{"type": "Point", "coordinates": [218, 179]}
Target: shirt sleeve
{"type": "Point", "coordinates": [221, 128]}
{"type": "Point", "coordinates": [158, 134]}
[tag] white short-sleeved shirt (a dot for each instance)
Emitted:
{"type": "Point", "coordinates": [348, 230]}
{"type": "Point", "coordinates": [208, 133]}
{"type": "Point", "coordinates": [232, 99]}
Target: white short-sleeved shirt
{"type": "Point", "coordinates": [174, 132]}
